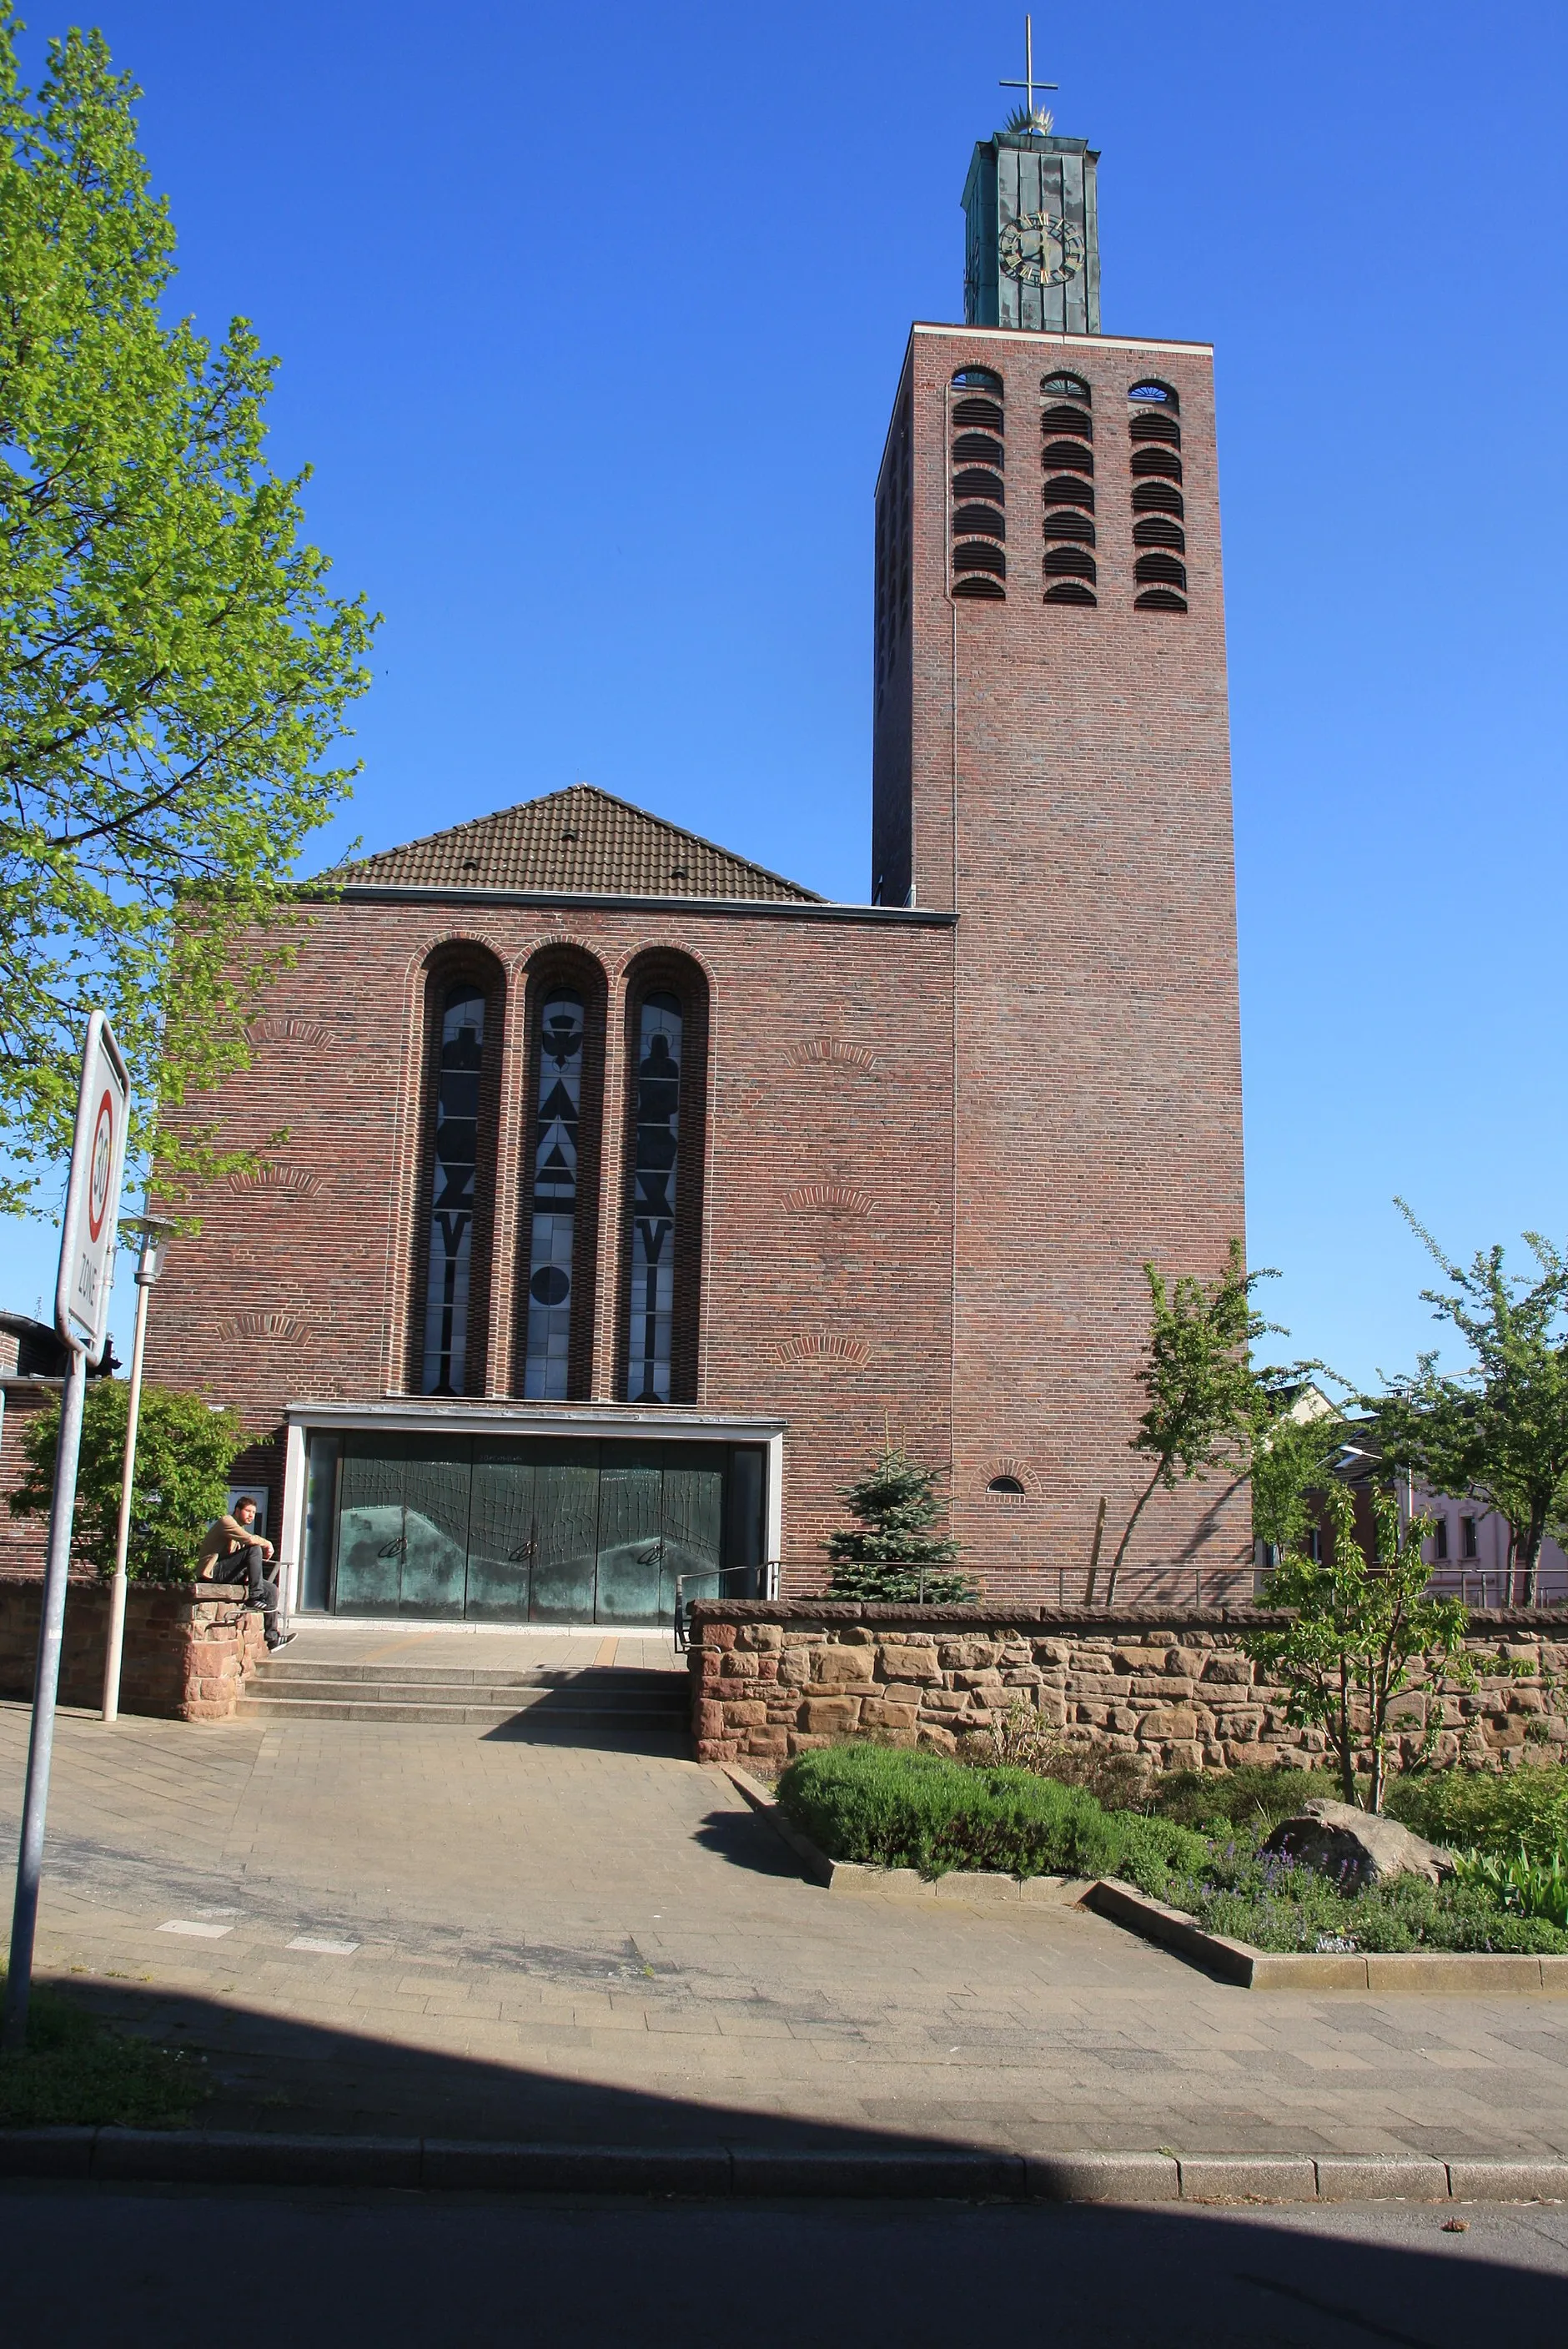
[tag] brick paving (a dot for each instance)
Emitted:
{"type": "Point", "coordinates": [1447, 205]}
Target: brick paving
{"type": "Point", "coordinates": [604, 1943]}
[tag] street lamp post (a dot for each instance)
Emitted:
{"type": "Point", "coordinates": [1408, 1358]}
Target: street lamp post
{"type": "Point", "coordinates": [149, 1264]}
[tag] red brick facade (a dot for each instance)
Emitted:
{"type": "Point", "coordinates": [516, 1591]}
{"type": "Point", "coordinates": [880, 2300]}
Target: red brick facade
{"type": "Point", "coordinates": [937, 1141]}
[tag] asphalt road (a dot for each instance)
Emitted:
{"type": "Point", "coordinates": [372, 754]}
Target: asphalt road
{"type": "Point", "coordinates": [160, 2269]}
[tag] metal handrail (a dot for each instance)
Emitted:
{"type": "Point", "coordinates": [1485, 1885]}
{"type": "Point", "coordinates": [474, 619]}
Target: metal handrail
{"type": "Point", "coordinates": [766, 1567]}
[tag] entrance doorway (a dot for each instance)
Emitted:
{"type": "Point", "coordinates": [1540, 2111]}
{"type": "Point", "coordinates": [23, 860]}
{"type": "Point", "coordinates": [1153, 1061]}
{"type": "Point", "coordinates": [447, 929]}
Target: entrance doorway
{"type": "Point", "coordinates": [528, 1529]}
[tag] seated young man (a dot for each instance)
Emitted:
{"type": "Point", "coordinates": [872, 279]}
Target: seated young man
{"type": "Point", "coordinates": [233, 1551]}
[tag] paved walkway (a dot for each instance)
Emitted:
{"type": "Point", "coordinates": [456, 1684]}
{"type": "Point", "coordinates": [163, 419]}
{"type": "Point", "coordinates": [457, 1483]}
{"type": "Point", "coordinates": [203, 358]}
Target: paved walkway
{"type": "Point", "coordinates": [460, 1932]}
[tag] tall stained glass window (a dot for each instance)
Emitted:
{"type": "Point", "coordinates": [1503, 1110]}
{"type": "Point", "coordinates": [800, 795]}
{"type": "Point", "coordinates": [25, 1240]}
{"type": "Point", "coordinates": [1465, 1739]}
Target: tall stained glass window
{"type": "Point", "coordinates": [652, 1288]}
{"type": "Point", "coordinates": [561, 1023]}
{"type": "Point", "coordinates": [455, 1166]}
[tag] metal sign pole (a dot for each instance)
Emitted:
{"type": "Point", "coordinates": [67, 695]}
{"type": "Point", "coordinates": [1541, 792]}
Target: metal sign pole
{"type": "Point", "coordinates": [87, 1236]}
{"type": "Point", "coordinates": [149, 1265]}
{"type": "Point", "coordinates": [46, 1687]}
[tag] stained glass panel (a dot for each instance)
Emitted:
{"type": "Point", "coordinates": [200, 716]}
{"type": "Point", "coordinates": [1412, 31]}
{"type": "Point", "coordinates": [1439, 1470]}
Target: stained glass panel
{"type": "Point", "coordinates": [652, 1282]}
{"type": "Point", "coordinates": [455, 1150]}
{"type": "Point", "coordinates": [547, 1365]}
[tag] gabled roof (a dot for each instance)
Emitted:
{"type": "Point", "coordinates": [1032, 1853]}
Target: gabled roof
{"type": "Point", "coordinates": [579, 843]}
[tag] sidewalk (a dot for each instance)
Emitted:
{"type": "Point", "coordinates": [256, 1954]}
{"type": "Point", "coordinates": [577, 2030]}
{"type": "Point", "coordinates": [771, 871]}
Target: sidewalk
{"type": "Point", "coordinates": [460, 1933]}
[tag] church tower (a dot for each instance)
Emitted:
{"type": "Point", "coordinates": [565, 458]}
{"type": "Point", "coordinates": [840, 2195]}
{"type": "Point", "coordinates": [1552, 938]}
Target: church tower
{"type": "Point", "coordinates": [1051, 763]}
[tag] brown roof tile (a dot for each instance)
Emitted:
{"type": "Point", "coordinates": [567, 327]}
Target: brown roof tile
{"type": "Point", "coordinates": [580, 842]}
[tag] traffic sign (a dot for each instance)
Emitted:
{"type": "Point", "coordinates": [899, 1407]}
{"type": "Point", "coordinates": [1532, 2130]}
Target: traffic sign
{"type": "Point", "coordinates": [92, 1197]}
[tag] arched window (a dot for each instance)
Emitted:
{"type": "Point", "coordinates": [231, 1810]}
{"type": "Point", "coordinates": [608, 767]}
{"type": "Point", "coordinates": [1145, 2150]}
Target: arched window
{"type": "Point", "coordinates": [1011, 1485]}
{"type": "Point", "coordinates": [1063, 385]}
{"type": "Point", "coordinates": [566, 1060]}
{"type": "Point", "coordinates": [976, 516]}
{"type": "Point", "coordinates": [666, 1053]}
{"type": "Point", "coordinates": [462, 1014]}
{"type": "Point", "coordinates": [1157, 502]}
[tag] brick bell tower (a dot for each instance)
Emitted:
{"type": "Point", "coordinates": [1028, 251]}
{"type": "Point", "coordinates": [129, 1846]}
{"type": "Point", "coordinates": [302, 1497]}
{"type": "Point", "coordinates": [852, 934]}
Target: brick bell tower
{"type": "Point", "coordinates": [1051, 760]}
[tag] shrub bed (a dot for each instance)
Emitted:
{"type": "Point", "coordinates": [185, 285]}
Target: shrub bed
{"type": "Point", "coordinates": [1197, 1843]}
{"type": "Point", "coordinates": [897, 1809]}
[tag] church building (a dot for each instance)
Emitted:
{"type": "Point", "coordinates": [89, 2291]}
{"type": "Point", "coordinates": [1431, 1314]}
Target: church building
{"type": "Point", "coordinates": [631, 1192]}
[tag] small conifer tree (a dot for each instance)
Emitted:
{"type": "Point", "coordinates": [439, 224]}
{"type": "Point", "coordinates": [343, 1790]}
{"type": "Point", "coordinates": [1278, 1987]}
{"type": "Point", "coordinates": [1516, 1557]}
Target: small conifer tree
{"type": "Point", "coordinates": [892, 1554]}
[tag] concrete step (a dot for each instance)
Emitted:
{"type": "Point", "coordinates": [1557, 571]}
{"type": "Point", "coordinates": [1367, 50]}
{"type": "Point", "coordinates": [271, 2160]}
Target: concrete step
{"type": "Point", "coordinates": [591, 1701]}
{"type": "Point", "coordinates": [290, 1665]}
{"type": "Point", "coordinates": [565, 1720]}
{"type": "Point", "coordinates": [302, 1686]}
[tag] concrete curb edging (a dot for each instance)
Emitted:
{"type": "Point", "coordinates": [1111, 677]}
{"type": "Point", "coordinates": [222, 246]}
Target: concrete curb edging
{"type": "Point", "coordinates": [954, 2173]}
{"type": "Point", "coordinates": [1438, 1973]}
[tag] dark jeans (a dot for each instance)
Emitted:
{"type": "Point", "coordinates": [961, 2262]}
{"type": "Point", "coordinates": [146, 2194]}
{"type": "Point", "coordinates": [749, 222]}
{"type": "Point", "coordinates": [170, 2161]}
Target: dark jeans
{"type": "Point", "coordinates": [250, 1567]}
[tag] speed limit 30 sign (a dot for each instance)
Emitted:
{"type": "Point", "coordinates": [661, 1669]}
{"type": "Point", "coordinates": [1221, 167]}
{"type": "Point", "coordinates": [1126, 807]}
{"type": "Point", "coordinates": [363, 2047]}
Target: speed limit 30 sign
{"type": "Point", "coordinates": [92, 1197]}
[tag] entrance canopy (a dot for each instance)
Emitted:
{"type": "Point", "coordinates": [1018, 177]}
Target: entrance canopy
{"type": "Point", "coordinates": [489, 1514]}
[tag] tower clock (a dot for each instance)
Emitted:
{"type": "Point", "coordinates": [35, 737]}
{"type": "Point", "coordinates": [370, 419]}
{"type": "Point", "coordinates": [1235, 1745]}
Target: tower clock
{"type": "Point", "coordinates": [1032, 246]}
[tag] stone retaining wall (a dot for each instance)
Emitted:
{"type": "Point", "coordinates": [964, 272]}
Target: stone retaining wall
{"type": "Point", "coordinates": [772, 1679]}
{"type": "Point", "coordinates": [187, 1649]}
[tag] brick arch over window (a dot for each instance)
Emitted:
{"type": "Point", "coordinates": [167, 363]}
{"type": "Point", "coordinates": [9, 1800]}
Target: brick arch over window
{"type": "Point", "coordinates": [454, 1237]}
{"type": "Point", "coordinates": [659, 1307]}
{"type": "Point", "coordinates": [563, 1134]}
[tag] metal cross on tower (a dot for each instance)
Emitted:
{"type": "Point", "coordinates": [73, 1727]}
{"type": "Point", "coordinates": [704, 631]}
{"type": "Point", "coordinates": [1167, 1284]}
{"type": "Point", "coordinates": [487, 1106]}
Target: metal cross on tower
{"type": "Point", "coordinates": [1029, 117]}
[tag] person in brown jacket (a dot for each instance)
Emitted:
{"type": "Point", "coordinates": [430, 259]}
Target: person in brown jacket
{"type": "Point", "coordinates": [233, 1551]}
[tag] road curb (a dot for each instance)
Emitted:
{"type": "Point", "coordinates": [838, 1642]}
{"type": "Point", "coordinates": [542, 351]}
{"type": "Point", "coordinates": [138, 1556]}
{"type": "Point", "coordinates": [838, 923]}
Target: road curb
{"type": "Point", "coordinates": [724, 2172]}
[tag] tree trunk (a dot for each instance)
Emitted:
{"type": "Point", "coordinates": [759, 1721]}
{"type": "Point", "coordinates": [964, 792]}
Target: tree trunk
{"type": "Point", "coordinates": [1346, 1756]}
{"type": "Point", "coordinates": [1138, 1509]}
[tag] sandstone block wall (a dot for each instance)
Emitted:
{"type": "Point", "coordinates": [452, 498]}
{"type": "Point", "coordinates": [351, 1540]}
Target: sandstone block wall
{"type": "Point", "coordinates": [186, 1656]}
{"type": "Point", "coordinates": [772, 1680]}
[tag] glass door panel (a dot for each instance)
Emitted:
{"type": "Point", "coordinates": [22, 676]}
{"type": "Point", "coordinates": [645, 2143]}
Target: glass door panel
{"type": "Point", "coordinates": [565, 1518]}
{"type": "Point", "coordinates": [503, 1532]}
{"type": "Point", "coordinates": [437, 1474]}
{"type": "Point", "coordinates": [693, 1523]}
{"type": "Point", "coordinates": [368, 1580]}
{"type": "Point", "coordinates": [631, 1533]}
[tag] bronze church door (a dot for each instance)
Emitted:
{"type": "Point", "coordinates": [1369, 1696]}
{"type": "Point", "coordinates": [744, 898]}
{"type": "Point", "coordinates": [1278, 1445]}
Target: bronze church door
{"type": "Point", "coordinates": [403, 1527]}
{"type": "Point", "coordinates": [532, 1533]}
{"type": "Point", "coordinates": [534, 1530]}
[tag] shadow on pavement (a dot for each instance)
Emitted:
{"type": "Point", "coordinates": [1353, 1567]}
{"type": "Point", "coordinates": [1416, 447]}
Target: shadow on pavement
{"type": "Point", "coordinates": [605, 1710]}
{"type": "Point", "coordinates": [282, 2074]}
{"type": "Point", "coordinates": [176, 2266]}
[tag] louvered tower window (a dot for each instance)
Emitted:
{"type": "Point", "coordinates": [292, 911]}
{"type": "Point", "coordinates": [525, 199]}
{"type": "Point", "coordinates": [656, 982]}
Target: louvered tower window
{"type": "Point", "coordinates": [1159, 513]}
{"type": "Point", "coordinates": [978, 497]}
{"type": "Point", "coordinates": [1066, 454]}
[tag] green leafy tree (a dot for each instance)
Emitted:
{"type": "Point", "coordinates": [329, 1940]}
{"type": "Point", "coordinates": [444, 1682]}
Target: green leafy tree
{"type": "Point", "coordinates": [1206, 1401]}
{"type": "Point", "coordinates": [1497, 1433]}
{"type": "Point", "coordinates": [1293, 1459]}
{"type": "Point", "coordinates": [173, 672]}
{"type": "Point", "coordinates": [1361, 1627]}
{"type": "Point", "coordinates": [183, 1453]}
{"type": "Point", "coordinates": [893, 1553]}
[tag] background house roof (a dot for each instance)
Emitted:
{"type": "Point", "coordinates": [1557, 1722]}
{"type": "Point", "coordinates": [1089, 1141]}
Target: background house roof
{"type": "Point", "coordinates": [581, 842]}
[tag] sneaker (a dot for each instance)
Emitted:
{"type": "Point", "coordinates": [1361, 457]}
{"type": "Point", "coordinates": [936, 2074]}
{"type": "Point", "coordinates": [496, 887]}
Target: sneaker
{"type": "Point", "coordinates": [281, 1641]}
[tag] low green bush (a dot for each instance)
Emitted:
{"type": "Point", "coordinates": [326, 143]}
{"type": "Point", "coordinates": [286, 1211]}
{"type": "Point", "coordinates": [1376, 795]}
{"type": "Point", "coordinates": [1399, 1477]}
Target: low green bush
{"type": "Point", "coordinates": [1214, 1801]}
{"type": "Point", "coordinates": [75, 2072]}
{"type": "Point", "coordinates": [1487, 1810]}
{"type": "Point", "coordinates": [896, 1808]}
{"type": "Point", "coordinates": [1276, 1904]}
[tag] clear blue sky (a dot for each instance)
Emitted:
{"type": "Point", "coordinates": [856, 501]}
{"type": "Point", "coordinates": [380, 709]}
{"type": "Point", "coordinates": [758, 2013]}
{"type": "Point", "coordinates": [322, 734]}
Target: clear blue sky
{"type": "Point", "coordinates": [590, 322]}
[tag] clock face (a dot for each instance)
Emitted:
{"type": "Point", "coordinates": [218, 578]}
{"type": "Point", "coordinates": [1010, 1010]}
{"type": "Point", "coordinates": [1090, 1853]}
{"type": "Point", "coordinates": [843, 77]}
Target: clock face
{"type": "Point", "coordinates": [1039, 249]}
